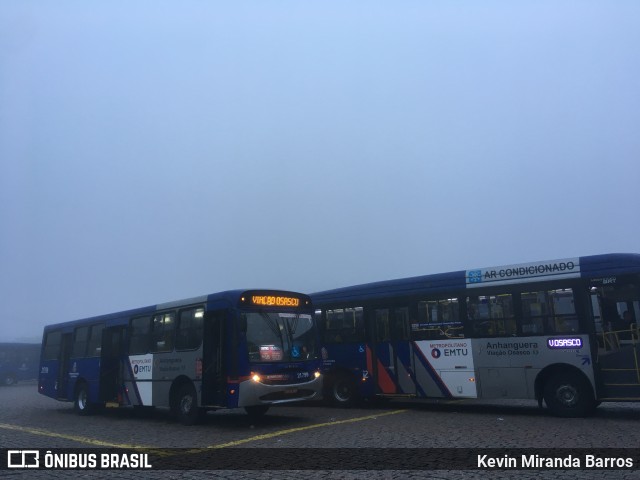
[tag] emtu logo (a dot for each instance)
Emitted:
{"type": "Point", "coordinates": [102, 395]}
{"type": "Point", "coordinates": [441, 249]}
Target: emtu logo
{"type": "Point", "coordinates": [435, 353]}
{"type": "Point", "coordinates": [23, 459]}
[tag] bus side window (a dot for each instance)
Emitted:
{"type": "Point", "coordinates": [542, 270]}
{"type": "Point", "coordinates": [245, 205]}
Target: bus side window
{"type": "Point", "coordinates": [491, 315]}
{"type": "Point", "coordinates": [563, 307]}
{"type": "Point", "coordinates": [400, 324]}
{"type": "Point", "coordinates": [94, 345]}
{"type": "Point", "coordinates": [383, 333]}
{"type": "Point", "coordinates": [333, 325]}
{"type": "Point", "coordinates": [139, 335]}
{"type": "Point", "coordinates": [438, 319]}
{"type": "Point", "coordinates": [80, 340]}
{"type": "Point", "coordinates": [548, 311]}
{"type": "Point", "coordinates": [52, 345]}
{"type": "Point", "coordinates": [164, 325]}
{"type": "Point", "coordinates": [189, 332]}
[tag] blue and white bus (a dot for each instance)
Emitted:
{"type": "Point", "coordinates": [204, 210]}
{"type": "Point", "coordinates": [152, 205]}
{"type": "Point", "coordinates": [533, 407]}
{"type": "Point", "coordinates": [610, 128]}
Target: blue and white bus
{"type": "Point", "coordinates": [18, 362]}
{"type": "Point", "coordinates": [564, 332]}
{"type": "Point", "coordinates": [248, 349]}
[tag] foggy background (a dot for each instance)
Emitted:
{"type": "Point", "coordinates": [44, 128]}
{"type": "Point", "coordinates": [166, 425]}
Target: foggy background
{"type": "Point", "coordinates": [152, 151]}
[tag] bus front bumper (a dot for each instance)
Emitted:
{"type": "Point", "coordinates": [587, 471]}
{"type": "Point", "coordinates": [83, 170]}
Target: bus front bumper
{"type": "Point", "coordinates": [253, 392]}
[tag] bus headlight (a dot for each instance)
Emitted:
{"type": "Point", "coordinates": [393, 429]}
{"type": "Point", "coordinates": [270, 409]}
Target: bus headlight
{"type": "Point", "coordinates": [256, 378]}
{"type": "Point", "coordinates": [316, 374]}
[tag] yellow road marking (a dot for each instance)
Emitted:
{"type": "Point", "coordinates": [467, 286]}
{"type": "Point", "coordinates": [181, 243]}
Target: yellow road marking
{"type": "Point", "coordinates": [266, 436]}
{"type": "Point", "coordinates": [90, 441]}
{"type": "Point", "coordinates": [301, 429]}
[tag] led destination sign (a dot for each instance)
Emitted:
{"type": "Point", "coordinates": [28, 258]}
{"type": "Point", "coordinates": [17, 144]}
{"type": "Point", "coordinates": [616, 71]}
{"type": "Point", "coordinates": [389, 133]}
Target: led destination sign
{"type": "Point", "coordinates": [274, 301]}
{"type": "Point", "coordinates": [573, 342]}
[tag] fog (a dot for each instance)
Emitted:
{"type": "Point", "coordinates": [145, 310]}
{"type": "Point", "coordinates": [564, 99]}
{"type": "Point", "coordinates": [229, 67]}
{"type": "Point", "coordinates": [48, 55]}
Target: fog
{"type": "Point", "coordinates": [160, 150]}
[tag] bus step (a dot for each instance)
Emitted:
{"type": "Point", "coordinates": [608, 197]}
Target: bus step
{"type": "Point", "coordinates": [620, 377]}
{"type": "Point", "coordinates": [111, 404]}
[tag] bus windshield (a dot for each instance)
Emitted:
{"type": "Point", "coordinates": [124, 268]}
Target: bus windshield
{"type": "Point", "coordinates": [280, 337]}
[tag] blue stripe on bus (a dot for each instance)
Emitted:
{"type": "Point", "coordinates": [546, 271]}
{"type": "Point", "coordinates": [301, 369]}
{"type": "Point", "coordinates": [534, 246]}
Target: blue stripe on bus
{"type": "Point", "coordinates": [430, 370]}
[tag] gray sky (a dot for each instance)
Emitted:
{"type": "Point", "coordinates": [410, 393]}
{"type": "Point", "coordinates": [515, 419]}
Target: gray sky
{"type": "Point", "coordinates": [151, 151]}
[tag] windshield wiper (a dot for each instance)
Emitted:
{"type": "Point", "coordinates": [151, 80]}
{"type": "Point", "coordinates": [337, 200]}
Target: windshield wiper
{"type": "Point", "coordinates": [274, 326]}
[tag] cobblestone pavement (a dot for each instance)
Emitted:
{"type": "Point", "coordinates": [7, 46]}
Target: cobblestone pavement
{"type": "Point", "coordinates": [29, 420]}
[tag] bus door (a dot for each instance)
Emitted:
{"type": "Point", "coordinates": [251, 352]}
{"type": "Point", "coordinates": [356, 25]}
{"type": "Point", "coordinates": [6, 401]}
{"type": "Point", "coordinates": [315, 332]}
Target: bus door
{"type": "Point", "coordinates": [213, 371]}
{"type": "Point", "coordinates": [111, 355]}
{"type": "Point", "coordinates": [616, 313]}
{"type": "Point", "coordinates": [393, 363]}
{"type": "Point", "coordinates": [64, 356]}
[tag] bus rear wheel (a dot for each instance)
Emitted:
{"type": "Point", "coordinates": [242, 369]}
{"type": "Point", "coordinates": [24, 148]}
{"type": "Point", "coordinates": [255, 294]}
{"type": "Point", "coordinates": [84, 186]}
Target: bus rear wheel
{"type": "Point", "coordinates": [569, 395]}
{"type": "Point", "coordinates": [9, 380]}
{"type": "Point", "coordinates": [186, 406]}
{"type": "Point", "coordinates": [81, 403]}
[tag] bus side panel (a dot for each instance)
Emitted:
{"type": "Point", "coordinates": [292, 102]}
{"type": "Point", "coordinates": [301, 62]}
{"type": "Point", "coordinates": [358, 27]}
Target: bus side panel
{"type": "Point", "coordinates": [445, 368]}
{"type": "Point", "coordinates": [84, 370]}
{"type": "Point", "coordinates": [47, 379]}
{"type": "Point", "coordinates": [353, 358]}
{"type": "Point", "coordinates": [169, 366]}
{"type": "Point", "coordinates": [507, 367]}
{"type": "Point", "coordinates": [138, 379]}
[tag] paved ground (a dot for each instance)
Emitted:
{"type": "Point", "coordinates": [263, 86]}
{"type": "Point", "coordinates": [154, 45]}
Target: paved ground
{"type": "Point", "coordinates": [28, 420]}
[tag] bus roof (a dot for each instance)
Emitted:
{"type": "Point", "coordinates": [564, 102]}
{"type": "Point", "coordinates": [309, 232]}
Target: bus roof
{"type": "Point", "coordinates": [594, 266]}
{"type": "Point", "coordinates": [229, 297]}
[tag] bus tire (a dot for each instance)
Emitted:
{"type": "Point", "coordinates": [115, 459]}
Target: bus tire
{"type": "Point", "coordinates": [81, 403]}
{"type": "Point", "coordinates": [187, 409]}
{"type": "Point", "coordinates": [256, 411]}
{"type": "Point", "coordinates": [342, 391]}
{"type": "Point", "coordinates": [569, 395]}
{"type": "Point", "coordinates": [9, 380]}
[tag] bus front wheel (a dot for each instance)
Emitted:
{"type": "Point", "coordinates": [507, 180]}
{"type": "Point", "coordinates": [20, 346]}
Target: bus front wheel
{"type": "Point", "coordinates": [342, 391]}
{"type": "Point", "coordinates": [187, 409]}
{"type": "Point", "coordinates": [81, 402]}
{"type": "Point", "coordinates": [569, 395]}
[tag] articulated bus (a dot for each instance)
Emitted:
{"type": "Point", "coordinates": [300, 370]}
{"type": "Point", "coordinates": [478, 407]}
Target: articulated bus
{"type": "Point", "coordinates": [18, 362]}
{"type": "Point", "coordinates": [564, 332]}
{"type": "Point", "coordinates": [248, 349]}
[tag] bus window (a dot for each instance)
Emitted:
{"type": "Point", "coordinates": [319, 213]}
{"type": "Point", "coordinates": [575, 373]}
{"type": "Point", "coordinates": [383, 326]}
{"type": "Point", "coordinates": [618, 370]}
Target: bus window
{"type": "Point", "coordinates": [548, 311]}
{"type": "Point", "coordinates": [334, 326]}
{"type": "Point", "coordinates": [618, 308]}
{"type": "Point", "coordinates": [164, 325]}
{"type": "Point", "coordinates": [344, 325]}
{"type": "Point", "coordinates": [565, 319]}
{"type": "Point", "coordinates": [189, 333]}
{"type": "Point", "coordinates": [80, 342]}
{"type": "Point", "coordinates": [438, 319]}
{"type": "Point", "coordinates": [400, 325]}
{"type": "Point", "coordinates": [383, 333]}
{"type": "Point", "coordinates": [491, 315]}
{"type": "Point", "coordinates": [139, 337]}
{"type": "Point", "coordinates": [354, 324]}
{"type": "Point", "coordinates": [535, 312]}
{"type": "Point", "coordinates": [52, 345]}
{"type": "Point", "coordinates": [94, 345]}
